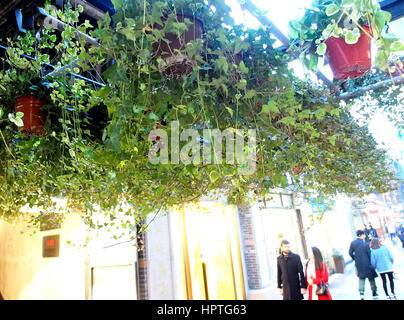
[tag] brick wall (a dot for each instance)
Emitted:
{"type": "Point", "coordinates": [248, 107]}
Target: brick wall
{"type": "Point", "coordinates": [142, 293]}
{"type": "Point", "coordinates": [249, 249]}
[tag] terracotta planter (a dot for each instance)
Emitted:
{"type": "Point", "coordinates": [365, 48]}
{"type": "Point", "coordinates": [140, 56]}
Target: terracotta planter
{"type": "Point", "coordinates": [176, 65]}
{"type": "Point", "coordinates": [349, 60]}
{"type": "Point", "coordinates": [297, 170]}
{"type": "Point", "coordinates": [34, 118]}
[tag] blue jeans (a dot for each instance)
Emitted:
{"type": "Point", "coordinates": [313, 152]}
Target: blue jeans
{"type": "Point", "coordinates": [372, 285]}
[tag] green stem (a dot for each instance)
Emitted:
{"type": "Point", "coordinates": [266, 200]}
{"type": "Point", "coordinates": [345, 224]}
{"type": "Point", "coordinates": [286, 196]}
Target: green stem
{"type": "Point", "coordinates": [5, 143]}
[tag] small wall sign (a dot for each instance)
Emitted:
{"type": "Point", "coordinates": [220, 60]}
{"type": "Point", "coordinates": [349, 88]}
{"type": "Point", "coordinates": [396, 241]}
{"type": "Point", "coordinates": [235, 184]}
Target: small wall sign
{"type": "Point", "coordinates": [50, 246]}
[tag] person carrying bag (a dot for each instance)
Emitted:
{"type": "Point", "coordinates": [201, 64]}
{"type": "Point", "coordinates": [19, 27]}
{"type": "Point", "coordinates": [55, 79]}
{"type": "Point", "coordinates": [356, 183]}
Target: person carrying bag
{"type": "Point", "coordinates": [317, 276]}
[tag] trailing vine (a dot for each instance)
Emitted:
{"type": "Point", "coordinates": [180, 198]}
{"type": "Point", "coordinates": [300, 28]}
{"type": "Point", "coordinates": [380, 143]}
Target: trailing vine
{"type": "Point", "coordinates": [305, 140]}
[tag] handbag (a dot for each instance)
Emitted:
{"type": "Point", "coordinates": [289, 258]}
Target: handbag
{"type": "Point", "coordinates": [322, 288]}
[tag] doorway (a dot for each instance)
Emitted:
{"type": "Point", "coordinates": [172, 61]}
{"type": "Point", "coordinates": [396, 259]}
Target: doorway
{"type": "Point", "coordinates": [211, 251]}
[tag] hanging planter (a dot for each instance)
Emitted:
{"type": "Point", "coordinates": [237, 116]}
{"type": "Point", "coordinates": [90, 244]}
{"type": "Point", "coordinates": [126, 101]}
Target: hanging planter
{"type": "Point", "coordinates": [34, 117]}
{"type": "Point", "coordinates": [341, 32]}
{"type": "Point", "coordinates": [175, 64]}
{"type": "Point", "coordinates": [298, 169]}
{"type": "Point", "coordinates": [349, 60]}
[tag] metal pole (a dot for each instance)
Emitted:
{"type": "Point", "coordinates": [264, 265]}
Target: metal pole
{"type": "Point", "coordinates": [59, 25]}
{"type": "Point", "coordinates": [61, 69]}
{"type": "Point", "coordinates": [89, 9]}
{"type": "Point", "coordinates": [247, 4]}
{"type": "Point", "coordinates": [382, 84]}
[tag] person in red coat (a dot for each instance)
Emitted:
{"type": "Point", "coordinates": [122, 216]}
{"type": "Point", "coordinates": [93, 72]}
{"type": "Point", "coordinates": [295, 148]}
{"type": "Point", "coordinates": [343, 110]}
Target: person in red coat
{"type": "Point", "coordinates": [316, 272]}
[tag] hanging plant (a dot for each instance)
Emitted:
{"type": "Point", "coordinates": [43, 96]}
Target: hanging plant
{"type": "Point", "coordinates": [341, 31]}
{"type": "Point", "coordinates": [178, 33]}
{"type": "Point", "coordinates": [136, 171]}
{"type": "Point", "coordinates": [38, 152]}
{"type": "Point", "coordinates": [388, 100]}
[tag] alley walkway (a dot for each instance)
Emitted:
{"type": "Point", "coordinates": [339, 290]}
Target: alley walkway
{"type": "Point", "coordinates": [344, 286]}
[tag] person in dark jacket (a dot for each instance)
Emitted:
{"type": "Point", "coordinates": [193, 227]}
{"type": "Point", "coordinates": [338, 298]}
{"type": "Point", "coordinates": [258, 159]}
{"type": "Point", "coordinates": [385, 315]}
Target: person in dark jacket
{"type": "Point", "coordinates": [372, 232]}
{"type": "Point", "coordinates": [367, 232]}
{"type": "Point", "coordinates": [359, 251]}
{"type": "Point", "coordinates": [291, 279]}
{"type": "Point", "coordinates": [400, 234]}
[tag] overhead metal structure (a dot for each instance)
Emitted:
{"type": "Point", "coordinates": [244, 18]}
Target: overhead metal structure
{"type": "Point", "coordinates": [395, 7]}
{"type": "Point", "coordinates": [382, 84]}
{"type": "Point", "coordinates": [265, 21]}
{"type": "Point", "coordinates": [18, 15]}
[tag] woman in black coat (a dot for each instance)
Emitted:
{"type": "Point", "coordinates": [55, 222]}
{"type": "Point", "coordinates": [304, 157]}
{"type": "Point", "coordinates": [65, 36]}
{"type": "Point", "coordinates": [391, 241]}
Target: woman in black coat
{"type": "Point", "coordinates": [291, 279]}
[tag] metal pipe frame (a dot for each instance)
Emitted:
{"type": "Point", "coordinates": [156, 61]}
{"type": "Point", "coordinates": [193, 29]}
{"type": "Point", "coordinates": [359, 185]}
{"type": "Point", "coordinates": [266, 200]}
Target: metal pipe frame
{"type": "Point", "coordinates": [247, 4]}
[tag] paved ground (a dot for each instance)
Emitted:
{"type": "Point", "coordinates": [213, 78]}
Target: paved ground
{"type": "Point", "coordinates": [345, 286]}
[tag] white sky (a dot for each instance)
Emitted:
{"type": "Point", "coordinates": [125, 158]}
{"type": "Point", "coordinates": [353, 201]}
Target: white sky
{"type": "Point", "coordinates": [284, 11]}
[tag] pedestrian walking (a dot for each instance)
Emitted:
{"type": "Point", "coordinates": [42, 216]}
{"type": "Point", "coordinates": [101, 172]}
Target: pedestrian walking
{"type": "Point", "coordinates": [317, 275]}
{"type": "Point", "coordinates": [359, 251]}
{"type": "Point", "coordinates": [382, 260]}
{"type": "Point", "coordinates": [400, 234]}
{"type": "Point", "coordinates": [367, 232]}
{"type": "Point", "coordinates": [391, 229]}
{"type": "Point", "coordinates": [291, 280]}
{"type": "Point", "coordinates": [372, 232]}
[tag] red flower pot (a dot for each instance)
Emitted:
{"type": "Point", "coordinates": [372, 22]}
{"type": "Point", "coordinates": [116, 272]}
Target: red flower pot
{"type": "Point", "coordinates": [297, 170]}
{"type": "Point", "coordinates": [34, 118]}
{"type": "Point", "coordinates": [349, 60]}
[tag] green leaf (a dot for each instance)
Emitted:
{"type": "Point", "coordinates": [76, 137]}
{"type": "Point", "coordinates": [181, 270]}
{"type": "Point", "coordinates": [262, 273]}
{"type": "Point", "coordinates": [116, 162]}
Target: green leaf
{"type": "Point", "coordinates": [118, 4]}
{"type": "Point", "coordinates": [129, 33]}
{"type": "Point", "coordinates": [380, 20]}
{"type": "Point", "coordinates": [321, 49]}
{"type": "Point", "coordinates": [313, 61]}
{"type": "Point", "coordinates": [103, 92]}
{"type": "Point", "coordinates": [290, 121]}
{"type": "Point", "coordinates": [388, 16]}
{"type": "Point", "coordinates": [213, 176]}
{"type": "Point", "coordinates": [332, 139]}
{"type": "Point", "coordinates": [230, 110]}
{"type": "Point", "coordinates": [222, 64]}
{"type": "Point", "coordinates": [242, 84]}
{"type": "Point", "coordinates": [250, 94]}
{"type": "Point", "coordinates": [381, 59]}
{"type": "Point", "coordinates": [153, 116]}
{"type": "Point", "coordinates": [320, 113]}
{"type": "Point", "coordinates": [72, 153]}
{"type": "Point", "coordinates": [352, 36]}
{"type": "Point", "coordinates": [397, 46]}
{"type": "Point", "coordinates": [242, 68]}
{"type": "Point", "coordinates": [270, 107]}
{"type": "Point", "coordinates": [293, 33]}
{"type": "Point", "coordinates": [331, 10]}
{"type": "Point", "coordinates": [17, 121]}
{"type": "Point", "coordinates": [305, 114]}
{"type": "Point", "coordinates": [240, 45]}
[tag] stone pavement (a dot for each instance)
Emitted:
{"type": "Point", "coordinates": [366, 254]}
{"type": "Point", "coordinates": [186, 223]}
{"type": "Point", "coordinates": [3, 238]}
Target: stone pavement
{"type": "Point", "coordinates": [344, 286]}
